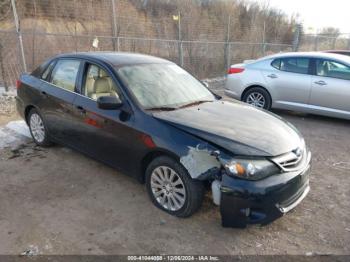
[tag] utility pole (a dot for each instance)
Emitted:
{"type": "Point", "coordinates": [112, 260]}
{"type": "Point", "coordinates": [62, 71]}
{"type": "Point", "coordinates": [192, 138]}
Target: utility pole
{"type": "Point", "coordinates": [18, 31]}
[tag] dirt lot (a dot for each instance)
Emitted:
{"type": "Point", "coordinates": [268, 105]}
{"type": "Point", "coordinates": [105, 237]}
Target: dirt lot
{"type": "Point", "coordinates": [7, 109]}
{"type": "Point", "coordinates": [57, 201]}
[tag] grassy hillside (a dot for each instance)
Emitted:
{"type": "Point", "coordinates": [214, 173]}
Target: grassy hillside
{"type": "Point", "coordinates": [147, 26]}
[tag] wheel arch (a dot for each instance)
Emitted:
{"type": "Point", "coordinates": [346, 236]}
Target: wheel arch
{"type": "Point", "coordinates": [150, 156]}
{"type": "Point", "coordinates": [27, 110]}
{"type": "Point", "coordinates": [254, 86]}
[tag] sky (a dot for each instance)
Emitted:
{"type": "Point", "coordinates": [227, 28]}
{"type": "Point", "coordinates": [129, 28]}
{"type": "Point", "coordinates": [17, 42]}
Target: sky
{"type": "Point", "coordinates": [316, 14]}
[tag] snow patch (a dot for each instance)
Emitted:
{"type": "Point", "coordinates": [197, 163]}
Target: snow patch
{"type": "Point", "coordinates": [10, 92]}
{"type": "Point", "coordinates": [20, 127]}
{"type": "Point", "coordinates": [14, 134]}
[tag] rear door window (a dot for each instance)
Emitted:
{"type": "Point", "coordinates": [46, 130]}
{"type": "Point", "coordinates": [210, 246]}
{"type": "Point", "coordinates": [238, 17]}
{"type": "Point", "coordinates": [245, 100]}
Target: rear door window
{"type": "Point", "coordinates": [329, 68]}
{"type": "Point", "coordinates": [65, 74]}
{"type": "Point", "coordinates": [295, 65]}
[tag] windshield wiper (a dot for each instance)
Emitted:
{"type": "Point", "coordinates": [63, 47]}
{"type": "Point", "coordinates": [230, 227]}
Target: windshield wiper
{"type": "Point", "coordinates": [195, 103]}
{"type": "Point", "coordinates": [161, 108]}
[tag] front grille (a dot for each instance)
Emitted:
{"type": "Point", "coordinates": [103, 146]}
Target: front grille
{"type": "Point", "coordinates": [293, 160]}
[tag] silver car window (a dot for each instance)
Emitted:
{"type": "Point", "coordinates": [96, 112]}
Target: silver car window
{"type": "Point", "coordinates": [295, 65]}
{"type": "Point", "coordinates": [329, 68]}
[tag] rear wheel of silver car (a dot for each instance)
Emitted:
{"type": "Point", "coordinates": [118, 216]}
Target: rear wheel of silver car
{"type": "Point", "coordinates": [37, 128]}
{"type": "Point", "coordinates": [258, 97]}
{"type": "Point", "coordinates": [172, 189]}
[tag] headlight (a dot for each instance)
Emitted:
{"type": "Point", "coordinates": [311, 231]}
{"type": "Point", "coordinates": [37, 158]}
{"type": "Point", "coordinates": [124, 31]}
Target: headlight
{"type": "Point", "coordinates": [251, 169]}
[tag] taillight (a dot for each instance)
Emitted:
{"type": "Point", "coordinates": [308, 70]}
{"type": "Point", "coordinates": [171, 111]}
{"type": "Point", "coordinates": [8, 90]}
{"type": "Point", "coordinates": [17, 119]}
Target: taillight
{"type": "Point", "coordinates": [18, 83]}
{"type": "Point", "coordinates": [235, 70]}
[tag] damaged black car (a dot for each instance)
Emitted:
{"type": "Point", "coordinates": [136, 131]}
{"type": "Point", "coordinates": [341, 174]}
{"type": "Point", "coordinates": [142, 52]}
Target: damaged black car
{"type": "Point", "coordinates": [149, 118]}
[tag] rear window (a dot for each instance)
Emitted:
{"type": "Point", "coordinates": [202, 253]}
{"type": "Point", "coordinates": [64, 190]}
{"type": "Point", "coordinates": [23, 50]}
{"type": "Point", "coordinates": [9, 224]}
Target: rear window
{"type": "Point", "coordinates": [276, 63]}
{"type": "Point", "coordinates": [295, 65]}
{"type": "Point", "coordinates": [47, 71]}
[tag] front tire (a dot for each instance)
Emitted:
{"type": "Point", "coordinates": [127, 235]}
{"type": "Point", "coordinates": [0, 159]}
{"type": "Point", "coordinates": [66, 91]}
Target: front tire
{"type": "Point", "coordinates": [38, 128]}
{"type": "Point", "coordinates": [258, 97]}
{"type": "Point", "coordinates": [171, 188]}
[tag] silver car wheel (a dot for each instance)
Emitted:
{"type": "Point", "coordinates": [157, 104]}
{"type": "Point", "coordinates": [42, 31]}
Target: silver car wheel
{"type": "Point", "coordinates": [168, 188]}
{"type": "Point", "coordinates": [256, 99]}
{"type": "Point", "coordinates": [36, 125]}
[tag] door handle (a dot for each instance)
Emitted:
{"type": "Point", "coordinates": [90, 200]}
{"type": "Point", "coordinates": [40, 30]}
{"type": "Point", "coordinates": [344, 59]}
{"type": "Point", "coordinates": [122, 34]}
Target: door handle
{"type": "Point", "coordinates": [44, 94]}
{"type": "Point", "coordinates": [81, 109]}
{"type": "Point", "coordinates": [272, 76]}
{"type": "Point", "coordinates": [320, 83]}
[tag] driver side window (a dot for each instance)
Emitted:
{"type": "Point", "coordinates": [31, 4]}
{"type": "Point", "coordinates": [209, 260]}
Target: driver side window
{"type": "Point", "coordinates": [98, 83]}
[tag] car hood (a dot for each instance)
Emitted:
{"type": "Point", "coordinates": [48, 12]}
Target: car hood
{"type": "Point", "coordinates": [236, 127]}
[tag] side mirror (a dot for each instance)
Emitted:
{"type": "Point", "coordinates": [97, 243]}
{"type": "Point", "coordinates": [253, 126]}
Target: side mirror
{"type": "Point", "coordinates": [109, 102]}
{"type": "Point", "coordinates": [205, 84]}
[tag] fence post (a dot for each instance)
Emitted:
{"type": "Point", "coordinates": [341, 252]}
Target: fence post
{"type": "Point", "coordinates": [34, 35]}
{"type": "Point", "coordinates": [2, 71]}
{"type": "Point", "coordinates": [334, 42]}
{"type": "Point", "coordinates": [114, 27]}
{"type": "Point", "coordinates": [316, 42]}
{"type": "Point", "coordinates": [296, 39]}
{"type": "Point", "coordinates": [75, 26]}
{"type": "Point", "coordinates": [18, 31]}
{"type": "Point", "coordinates": [264, 39]}
{"type": "Point", "coordinates": [181, 57]}
{"type": "Point", "coordinates": [228, 45]}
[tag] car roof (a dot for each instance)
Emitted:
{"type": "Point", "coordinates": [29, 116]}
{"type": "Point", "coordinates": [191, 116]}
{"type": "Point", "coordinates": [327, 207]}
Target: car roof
{"type": "Point", "coordinates": [339, 57]}
{"type": "Point", "coordinates": [337, 51]}
{"type": "Point", "coordinates": [117, 59]}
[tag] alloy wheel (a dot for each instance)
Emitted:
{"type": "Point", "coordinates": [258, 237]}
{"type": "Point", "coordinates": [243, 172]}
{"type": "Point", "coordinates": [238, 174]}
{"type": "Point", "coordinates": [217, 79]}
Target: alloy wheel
{"type": "Point", "coordinates": [168, 188]}
{"type": "Point", "coordinates": [37, 127]}
{"type": "Point", "coordinates": [256, 99]}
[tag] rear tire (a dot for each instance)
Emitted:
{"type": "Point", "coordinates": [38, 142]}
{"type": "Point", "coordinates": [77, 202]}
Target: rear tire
{"type": "Point", "coordinates": [38, 129]}
{"type": "Point", "coordinates": [258, 97]}
{"type": "Point", "coordinates": [172, 189]}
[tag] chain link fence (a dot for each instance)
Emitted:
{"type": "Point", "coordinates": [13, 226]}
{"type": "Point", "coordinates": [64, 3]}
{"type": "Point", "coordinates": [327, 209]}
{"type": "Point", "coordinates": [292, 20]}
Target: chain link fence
{"type": "Point", "coordinates": [320, 42]}
{"type": "Point", "coordinates": [203, 43]}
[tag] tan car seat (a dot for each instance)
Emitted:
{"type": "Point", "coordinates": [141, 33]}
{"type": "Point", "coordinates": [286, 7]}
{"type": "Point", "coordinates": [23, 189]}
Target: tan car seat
{"type": "Point", "coordinates": [89, 86]}
{"type": "Point", "coordinates": [101, 88]}
{"type": "Point", "coordinates": [98, 83]}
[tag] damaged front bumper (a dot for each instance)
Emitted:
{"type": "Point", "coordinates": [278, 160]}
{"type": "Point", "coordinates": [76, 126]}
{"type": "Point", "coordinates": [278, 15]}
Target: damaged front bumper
{"type": "Point", "coordinates": [246, 202]}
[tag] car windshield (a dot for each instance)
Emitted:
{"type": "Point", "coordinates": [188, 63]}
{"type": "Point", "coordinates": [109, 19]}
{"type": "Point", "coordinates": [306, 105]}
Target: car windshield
{"type": "Point", "coordinates": [163, 86]}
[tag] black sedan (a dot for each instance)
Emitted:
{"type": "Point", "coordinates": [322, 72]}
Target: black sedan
{"type": "Point", "coordinates": [149, 118]}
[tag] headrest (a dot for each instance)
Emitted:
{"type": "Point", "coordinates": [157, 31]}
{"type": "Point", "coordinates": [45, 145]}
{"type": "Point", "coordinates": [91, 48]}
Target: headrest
{"type": "Point", "coordinates": [101, 85]}
{"type": "Point", "coordinates": [103, 73]}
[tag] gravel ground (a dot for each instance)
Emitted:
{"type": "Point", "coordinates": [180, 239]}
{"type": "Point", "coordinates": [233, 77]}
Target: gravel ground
{"type": "Point", "coordinates": [57, 201]}
{"type": "Point", "coordinates": [7, 106]}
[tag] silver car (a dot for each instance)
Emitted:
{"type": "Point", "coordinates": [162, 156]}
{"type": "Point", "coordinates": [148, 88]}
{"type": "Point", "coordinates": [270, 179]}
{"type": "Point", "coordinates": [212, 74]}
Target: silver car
{"type": "Point", "coordinates": [311, 82]}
